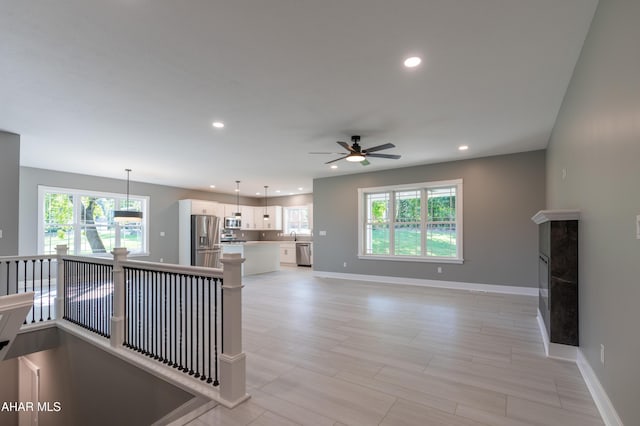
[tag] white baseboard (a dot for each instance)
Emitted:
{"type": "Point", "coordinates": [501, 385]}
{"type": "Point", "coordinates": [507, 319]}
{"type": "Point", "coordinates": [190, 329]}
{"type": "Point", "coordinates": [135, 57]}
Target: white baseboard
{"type": "Point", "coordinates": [600, 397]}
{"type": "Point", "coordinates": [574, 354]}
{"type": "Point", "coordinates": [555, 350]}
{"type": "Point", "coordinates": [456, 285]}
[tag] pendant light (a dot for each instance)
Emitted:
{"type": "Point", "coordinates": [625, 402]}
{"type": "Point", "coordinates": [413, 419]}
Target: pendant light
{"type": "Point", "coordinates": [266, 214]}
{"type": "Point", "coordinates": [126, 215]}
{"type": "Point", "coordinates": [238, 213]}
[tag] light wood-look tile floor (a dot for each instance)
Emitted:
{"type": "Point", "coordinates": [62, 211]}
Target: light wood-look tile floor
{"type": "Point", "coordinates": [337, 352]}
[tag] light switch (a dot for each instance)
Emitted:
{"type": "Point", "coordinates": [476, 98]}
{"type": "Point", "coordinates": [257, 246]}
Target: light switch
{"type": "Point", "coordinates": [323, 233]}
{"type": "Point", "coordinates": [0, 233]}
{"type": "Point", "coordinates": [162, 233]}
{"type": "Point", "coordinates": [637, 228]}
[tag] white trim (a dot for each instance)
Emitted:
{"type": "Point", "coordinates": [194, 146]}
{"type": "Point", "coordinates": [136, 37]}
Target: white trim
{"type": "Point", "coordinates": [543, 332]}
{"type": "Point", "coordinates": [600, 397]}
{"type": "Point", "coordinates": [455, 285]}
{"type": "Point", "coordinates": [555, 350]}
{"type": "Point", "coordinates": [77, 227]}
{"type": "Point", "coordinates": [424, 259]}
{"type": "Point", "coordinates": [547, 215]}
{"type": "Point", "coordinates": [574, 354]}
{"type": "Point", "coordinates": [423, 187]}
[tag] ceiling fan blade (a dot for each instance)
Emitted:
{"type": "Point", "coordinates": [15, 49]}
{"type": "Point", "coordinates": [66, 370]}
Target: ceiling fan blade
{"type": "Point", "coordinates": [337, 159]}
{"type": "Point", "coordinates": [379, 147]}
{"type": "Point", "coordinates": [345, 146]}
{"type": "Point", "coordinates": [365, 163]}
{"type": "Point", "coordinates": [336, 153]}
{"type": "Point", "coordinates": [391, 156]}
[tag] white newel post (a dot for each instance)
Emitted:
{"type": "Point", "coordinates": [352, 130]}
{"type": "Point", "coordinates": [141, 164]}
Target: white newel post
{"type": "Point", "coordinates": [117, 320]}
{"type": "Point", "coordinates": [61, 250]}
{"type": "Point", "coordinates": [232, 359]}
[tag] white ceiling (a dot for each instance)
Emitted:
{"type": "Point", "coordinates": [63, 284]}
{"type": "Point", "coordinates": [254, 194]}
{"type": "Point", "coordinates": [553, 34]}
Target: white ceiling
{"type": "Point", "coordinates": [97, 87]}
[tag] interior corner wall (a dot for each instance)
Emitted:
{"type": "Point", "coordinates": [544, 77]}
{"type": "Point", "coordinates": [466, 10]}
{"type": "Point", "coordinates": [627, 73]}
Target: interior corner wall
{"type": "Point", "coordinates": [9, 192]}
{"type": "Point", "coordinates": [500, 242]}
{"type": "Point", "coordinates": [596, 141]}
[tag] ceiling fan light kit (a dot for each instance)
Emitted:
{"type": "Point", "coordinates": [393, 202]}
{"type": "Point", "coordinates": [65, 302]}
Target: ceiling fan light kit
{"type": "Point", "coordinates": [358, 155]}
{"type": "Point", "coordinates": [355, 157]}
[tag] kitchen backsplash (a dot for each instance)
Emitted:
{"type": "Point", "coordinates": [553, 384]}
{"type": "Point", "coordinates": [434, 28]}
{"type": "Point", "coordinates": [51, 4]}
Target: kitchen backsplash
{"type": "Point", "coordinates": [281, 236]}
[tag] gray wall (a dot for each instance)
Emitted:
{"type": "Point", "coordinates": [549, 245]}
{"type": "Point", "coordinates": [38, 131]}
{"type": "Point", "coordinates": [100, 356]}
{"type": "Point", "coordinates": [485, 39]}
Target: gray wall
{"type": "Point", "coordinates": [501, 194]}
{"type": "Point", "coordinates": [9, 192]}
{"type": "Point", "coordinates": [163, 207]}
{"type": "Point", "coordinates": [9, 389]}
{"type": "Point", "coordinates": [597, 141]}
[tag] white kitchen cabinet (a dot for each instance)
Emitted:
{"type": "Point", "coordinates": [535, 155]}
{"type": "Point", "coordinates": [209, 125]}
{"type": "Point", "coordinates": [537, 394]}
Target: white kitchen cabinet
{"type": "Point", "coordinates": [273, 223]}
{"type": "Point", "coordinates": [202, 207]}
{"type": "Point", "coordinates": [253, 217]}
{"type": "Point", "coordinates": [288, 253]}
{"type": "Point", "coordinates": [229, 210]}
{"type": "Point", "coordinates": [249, 222]}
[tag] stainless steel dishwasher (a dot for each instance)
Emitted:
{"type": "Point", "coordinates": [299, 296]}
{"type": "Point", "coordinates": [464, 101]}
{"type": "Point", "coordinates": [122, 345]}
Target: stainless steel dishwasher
{"type": "Point", "coordinates": [303, 254]}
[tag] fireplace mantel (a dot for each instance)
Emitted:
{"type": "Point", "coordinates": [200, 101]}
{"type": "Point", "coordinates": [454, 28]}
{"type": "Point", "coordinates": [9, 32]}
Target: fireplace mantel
{"type": "Point", "coordinates": [548, 215]}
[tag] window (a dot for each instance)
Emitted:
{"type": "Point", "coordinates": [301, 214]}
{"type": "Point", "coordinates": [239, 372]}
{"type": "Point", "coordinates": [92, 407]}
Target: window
{"type": "Point", "coordinates": [417, 222]}
{"type": "Point", "coordinates": [297, 219]}
{"type": "Point", "coordinates": [84, 222]}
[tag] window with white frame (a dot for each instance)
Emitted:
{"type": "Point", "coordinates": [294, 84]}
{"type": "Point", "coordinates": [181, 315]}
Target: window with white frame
{"type": "Point", "coordinates": [297, 219]}
{"type": "Point", "coordinates": [416, 222]}
{"type": "Point", "coordinates": [83, 220]}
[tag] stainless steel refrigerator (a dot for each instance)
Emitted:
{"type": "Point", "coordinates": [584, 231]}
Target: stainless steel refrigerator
{"type": "Point", "coordinates": [205, 241]}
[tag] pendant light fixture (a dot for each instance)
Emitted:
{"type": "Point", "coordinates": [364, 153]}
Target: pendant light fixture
{"type": "Point", "coordinates": [126, 215]}
{"type": "Point", "coordinates": [266, 214]}
{"type": "Point", "coordinates": [238, 213]}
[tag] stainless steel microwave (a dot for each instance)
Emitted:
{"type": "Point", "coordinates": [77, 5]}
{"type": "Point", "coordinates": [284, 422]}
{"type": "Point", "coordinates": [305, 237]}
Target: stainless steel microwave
{"type": "Point", "coordinates": [232, 222]}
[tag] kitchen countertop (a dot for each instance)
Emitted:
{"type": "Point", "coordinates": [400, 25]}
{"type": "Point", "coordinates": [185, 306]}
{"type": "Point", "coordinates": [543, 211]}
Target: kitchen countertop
{"type": "Point", "coordinates": [237, 243]}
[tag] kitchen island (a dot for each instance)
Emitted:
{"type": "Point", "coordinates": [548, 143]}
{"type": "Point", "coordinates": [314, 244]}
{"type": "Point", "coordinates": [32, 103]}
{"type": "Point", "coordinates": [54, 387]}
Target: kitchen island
{"type": "Point", "coordinates": [260, 256]}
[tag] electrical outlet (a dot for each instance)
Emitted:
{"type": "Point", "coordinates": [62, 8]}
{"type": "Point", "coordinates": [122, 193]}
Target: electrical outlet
{"type": "Point", "coordinates": [161, 260]}
{"type": "Point", "coordinates": [602, 354]}
{"type": "Point", "coordinates": [637, 228]}
{"type": "Point", "coordinates": [345, 264]}
{"type": "Point", "coordinates": [162, 233]}
{"type": "Point", "coordinates": [0, 233]}
{"type": "Point", "coordinates": [564, 174]}
{"type": "Point", "coordinates": [323, 233]}
{"type": "Point", "coordinates": [439, 269]}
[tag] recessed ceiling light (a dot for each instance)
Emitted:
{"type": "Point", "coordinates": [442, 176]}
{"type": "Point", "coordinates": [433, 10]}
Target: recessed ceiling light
{"type": "Point", "coordinates": [278, 191]}
{"type": "Point", "coordinates": [212, 186]}
{"type": "Point", "coordinates": [463, 147]}
{"type": "Point", "coordinates": [218, 124]}
{"type": "Point", "coordinates": [334, 166]}
{"type": "Point", "coordinates": [412, 62]}
{"type": "Point", "coordinates": [257, 193]}
{"type": "Point", "coordinates": [300, 189]}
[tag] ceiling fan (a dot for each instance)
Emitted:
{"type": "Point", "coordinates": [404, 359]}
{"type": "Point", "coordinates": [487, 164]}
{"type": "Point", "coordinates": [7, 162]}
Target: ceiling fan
{"type": "Point", "coordinates": [355, 153]}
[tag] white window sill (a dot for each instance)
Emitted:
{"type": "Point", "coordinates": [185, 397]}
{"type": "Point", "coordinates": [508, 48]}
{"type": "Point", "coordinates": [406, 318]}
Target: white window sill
{"type": "Point", "coordinates": [411, 258]}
